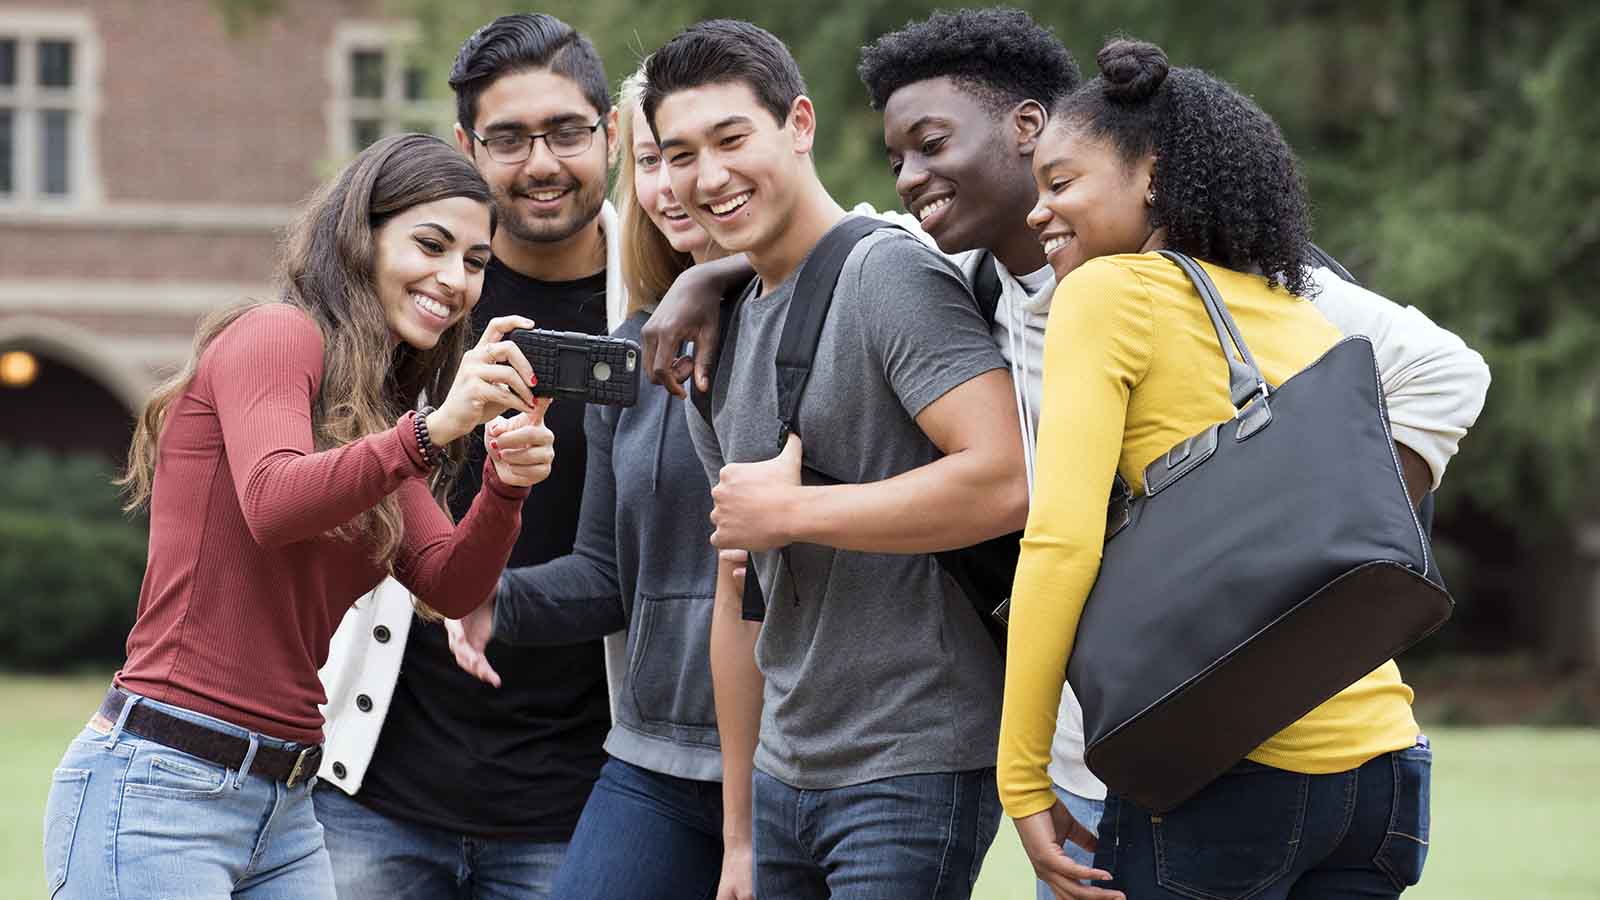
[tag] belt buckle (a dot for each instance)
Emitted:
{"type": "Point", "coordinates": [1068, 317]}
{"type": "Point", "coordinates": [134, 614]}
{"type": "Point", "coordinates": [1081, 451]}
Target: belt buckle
{"type": "Point", "coordinates": [299, 766]}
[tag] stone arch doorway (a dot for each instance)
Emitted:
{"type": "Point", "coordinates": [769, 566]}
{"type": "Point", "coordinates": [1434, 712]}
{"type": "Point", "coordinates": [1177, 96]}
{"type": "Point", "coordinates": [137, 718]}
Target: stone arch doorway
{"type": "Point", "coordinates": [59, 393]}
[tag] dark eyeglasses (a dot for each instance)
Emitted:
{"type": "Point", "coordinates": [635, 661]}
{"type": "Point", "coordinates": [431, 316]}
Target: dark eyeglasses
{"type": "Point", "coordinates": [566, 142]}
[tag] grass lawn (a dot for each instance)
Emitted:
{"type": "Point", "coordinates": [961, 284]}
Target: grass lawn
{"type": "Point", "coordinates": [1511, 806]}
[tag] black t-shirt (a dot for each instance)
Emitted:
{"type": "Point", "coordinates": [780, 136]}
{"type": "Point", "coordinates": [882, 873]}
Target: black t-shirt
{"type": "Point", "coordinates": [515, 762]}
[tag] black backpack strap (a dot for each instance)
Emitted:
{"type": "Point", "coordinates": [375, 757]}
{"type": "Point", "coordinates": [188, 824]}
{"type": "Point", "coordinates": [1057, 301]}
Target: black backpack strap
{"type": "Point", "coordinates": [813, 296]}
{"type": "Point", "coordinates": [984, 571]}
{"type": "Point", "coordinates": [797, 348]}
{"type": "Point", "coordinates": [986, 288]}
{"type": "Point", "coordinates": [808, 309]}
{"type": "Point", "coordinates": [754, 606]}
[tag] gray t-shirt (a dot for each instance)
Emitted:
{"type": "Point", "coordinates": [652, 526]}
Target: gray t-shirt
{"type": "Point", "coordinates": [876, 664]}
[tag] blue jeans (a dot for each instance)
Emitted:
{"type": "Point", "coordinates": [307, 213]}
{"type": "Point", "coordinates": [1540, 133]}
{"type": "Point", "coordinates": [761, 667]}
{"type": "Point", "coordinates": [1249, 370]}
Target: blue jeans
{"type": "Point", "coordinates": [1268, 834]}
{"type": "Point", "coordinates": [1088, 813]}
{"type": "Point", "coordinates": [378, 857]}
{"type": "Point", "coordinates": [909, 836]}
{"type": "Point", "coordinates": [645, 836]}
{"type": "Point", "coordinates": [129, 819]}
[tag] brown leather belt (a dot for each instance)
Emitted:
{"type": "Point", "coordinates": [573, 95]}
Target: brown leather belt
{"type": "Point", "coordinates": [292, 764]}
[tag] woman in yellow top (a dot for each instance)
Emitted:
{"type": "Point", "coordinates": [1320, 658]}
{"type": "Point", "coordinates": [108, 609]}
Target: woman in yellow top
{"type": "Point", "coordinates": [1144, 158]}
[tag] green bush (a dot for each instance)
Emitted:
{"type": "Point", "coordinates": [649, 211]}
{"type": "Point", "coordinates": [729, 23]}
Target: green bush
{"type": "Point", "coordinates": [70, 562]}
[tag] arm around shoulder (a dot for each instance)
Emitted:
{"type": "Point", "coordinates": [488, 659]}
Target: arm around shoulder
{"type": "Point", "coordinates": [1434, 384]}
{"type": "Point", "coordinates": [691, 313]}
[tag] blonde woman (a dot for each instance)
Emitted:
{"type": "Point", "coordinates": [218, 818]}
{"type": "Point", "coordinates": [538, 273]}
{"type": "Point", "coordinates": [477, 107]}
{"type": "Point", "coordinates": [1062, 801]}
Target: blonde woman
{"type": "Point", "coordinates": [286, 475]}
{"type": "Point", "coordinates": [642, 562]}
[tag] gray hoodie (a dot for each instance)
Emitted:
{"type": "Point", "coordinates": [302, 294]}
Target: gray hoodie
{"type": "Point", "coordinates": [643, 561]}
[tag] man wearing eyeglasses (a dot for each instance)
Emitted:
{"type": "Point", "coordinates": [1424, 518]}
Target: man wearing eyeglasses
{"type": "Point", "coordinates": [433, 783]}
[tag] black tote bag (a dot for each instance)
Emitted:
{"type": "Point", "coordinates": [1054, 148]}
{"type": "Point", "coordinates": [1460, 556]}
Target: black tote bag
{"type": "Point", "coordinates": [1273, 560]}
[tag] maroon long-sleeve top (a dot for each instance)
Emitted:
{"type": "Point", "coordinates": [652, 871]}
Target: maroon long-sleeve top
{"type": "Point", "coordinates": [244, 587]}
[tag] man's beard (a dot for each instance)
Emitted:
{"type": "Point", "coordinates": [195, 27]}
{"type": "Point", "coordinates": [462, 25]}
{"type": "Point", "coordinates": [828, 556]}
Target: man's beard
{"type": "Point", "coordinates": [539, 230]}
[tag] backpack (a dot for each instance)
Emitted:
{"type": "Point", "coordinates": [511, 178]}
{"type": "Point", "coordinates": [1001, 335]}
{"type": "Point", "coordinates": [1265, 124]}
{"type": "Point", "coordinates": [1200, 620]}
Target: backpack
{"type": "Point", "coordinates": [983, 571]}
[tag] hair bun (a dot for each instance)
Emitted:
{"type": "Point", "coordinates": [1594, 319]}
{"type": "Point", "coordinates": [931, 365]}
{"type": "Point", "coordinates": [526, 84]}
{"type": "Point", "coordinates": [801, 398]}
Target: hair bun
{"type": "Point", "coordinates": [1133, 70]}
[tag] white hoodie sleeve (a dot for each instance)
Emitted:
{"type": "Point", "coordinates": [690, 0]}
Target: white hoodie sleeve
{"type": "Point", "coordinates": [1434, 383]}
{"type": "Point", "coordinates": [896, 217]}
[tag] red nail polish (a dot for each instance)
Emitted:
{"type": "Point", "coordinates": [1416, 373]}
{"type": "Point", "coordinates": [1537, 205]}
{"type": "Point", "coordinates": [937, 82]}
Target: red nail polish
{"type": "Point", "coordinates": [533, 380]}
{"type": "Point", "coordinates": [495, 446]}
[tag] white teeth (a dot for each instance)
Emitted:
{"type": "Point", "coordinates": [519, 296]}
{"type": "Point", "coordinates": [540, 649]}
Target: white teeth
{"type": "Point", "coordinates": [1056, 243]}
{"type": "Point", "coordinates": [545, 196]}
{"type": "Point", "coordinates": [430, 305]}
{"type": "Point", "coordinates": [728, 206]}
{"type": "Point", "coordinates": [931, 208]}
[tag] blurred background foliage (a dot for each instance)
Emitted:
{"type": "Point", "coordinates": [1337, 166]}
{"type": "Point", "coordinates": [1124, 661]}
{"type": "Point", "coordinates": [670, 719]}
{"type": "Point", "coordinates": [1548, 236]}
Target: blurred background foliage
{"type": "Point", "coordinates": [70, 559]}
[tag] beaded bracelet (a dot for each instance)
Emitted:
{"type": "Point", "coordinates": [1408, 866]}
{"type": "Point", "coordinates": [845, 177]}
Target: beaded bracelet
{"type": "Point", "coordinates": [431, 455]}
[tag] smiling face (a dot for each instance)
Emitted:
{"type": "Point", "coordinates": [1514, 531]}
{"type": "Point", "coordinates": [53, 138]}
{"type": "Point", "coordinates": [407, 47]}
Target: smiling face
{"type": "Point", "coordinates": [958, 166]}
{"type": "Point", "coordinates": [429, 267]}
{"type": "Point", "coordinates": [1091, 202]}
{"type": "Point", "coordinates": [546, 198]}
{"type": "Point", "coordinates": [733, 167]}
{"type": "Point", "coordinates": [655, 194]}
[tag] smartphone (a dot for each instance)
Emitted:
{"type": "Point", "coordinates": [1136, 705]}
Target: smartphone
{"type": "Point", "coordinates": [588, 367]}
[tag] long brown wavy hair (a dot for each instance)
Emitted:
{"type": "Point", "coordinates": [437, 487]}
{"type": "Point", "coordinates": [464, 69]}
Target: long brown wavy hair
{"type": "Point", "coordinates": [327, 271]}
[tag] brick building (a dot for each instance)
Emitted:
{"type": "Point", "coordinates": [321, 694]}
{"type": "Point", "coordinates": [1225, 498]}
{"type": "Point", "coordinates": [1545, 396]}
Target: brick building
{"type": "Point", "coordinates": [149, 161]}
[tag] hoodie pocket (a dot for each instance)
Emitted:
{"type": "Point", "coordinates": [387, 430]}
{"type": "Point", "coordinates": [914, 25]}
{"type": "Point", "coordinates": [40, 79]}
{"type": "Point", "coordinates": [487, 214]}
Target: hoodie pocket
{"type": "Point", "coordinates": [669, 672]}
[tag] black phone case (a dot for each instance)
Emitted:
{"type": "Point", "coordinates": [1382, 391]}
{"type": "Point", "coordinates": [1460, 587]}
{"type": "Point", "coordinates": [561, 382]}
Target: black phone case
{"type": "Point", "coordinates": [588, 367]}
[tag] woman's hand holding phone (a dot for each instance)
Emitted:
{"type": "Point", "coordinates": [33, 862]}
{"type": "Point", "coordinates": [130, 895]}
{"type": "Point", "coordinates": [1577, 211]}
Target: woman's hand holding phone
{"type": "Point", "coordinates": [494, 377]}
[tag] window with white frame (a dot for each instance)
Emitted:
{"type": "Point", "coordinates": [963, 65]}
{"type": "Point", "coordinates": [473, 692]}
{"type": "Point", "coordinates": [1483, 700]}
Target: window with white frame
{"type": "Point", "coordinates": [45, 85]}
{"type": "Point", "coordinates": [380, 90]}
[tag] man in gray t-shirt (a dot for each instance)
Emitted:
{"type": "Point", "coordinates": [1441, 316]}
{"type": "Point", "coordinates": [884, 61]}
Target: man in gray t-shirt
{"type": "Point", "coordinates": [876, 664]}
{"type": "Point", "coordinates": [873, 772]}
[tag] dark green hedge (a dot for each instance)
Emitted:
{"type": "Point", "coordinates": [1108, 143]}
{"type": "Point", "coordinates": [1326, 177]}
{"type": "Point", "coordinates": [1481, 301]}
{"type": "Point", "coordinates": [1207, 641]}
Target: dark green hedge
{"type": "Point", "coordinates": [70, 562]}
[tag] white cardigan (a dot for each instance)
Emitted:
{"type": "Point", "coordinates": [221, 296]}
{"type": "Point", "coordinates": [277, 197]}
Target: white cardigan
{"type": "Point", "coordinates": [365, 654]}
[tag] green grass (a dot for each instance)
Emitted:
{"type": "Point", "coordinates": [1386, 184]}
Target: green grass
{"type": "Point", "coordinates": [1511, 806]}
{"type": "Point", "coordinates": [40, 716]}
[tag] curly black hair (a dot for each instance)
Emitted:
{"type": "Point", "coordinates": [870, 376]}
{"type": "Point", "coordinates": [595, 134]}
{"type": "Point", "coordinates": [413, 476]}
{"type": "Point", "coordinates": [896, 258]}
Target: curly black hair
{"type": "Point", "coordinates": [1227, 187]}
{"type": "Point", "coordinates": [1000, 54]}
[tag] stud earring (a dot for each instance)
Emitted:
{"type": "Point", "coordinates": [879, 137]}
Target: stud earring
{"type": "Point", "coordinates": [1150, 198]}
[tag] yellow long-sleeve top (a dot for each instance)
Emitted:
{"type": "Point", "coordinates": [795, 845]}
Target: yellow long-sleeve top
{"type": "Point", "coordinates": [1132, 367]}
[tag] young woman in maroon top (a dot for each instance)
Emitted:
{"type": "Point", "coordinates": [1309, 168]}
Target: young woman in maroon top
{"type": "Point", "coordinates": [286, 474]}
